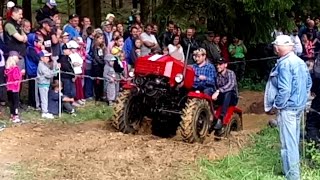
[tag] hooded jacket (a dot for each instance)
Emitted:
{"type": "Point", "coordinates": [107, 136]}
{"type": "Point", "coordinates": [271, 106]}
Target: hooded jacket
{"type": "Point", "coordinates": [13, 74]}
{"type": "Point", "coordinates": [32, 58]}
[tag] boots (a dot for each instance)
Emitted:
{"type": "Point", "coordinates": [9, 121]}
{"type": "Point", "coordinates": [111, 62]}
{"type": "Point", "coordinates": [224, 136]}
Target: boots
{"type": "Point", "coordinates": [218, 125]}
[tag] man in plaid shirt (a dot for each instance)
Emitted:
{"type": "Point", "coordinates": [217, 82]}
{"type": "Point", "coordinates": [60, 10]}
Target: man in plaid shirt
{"type": "Point", "coordinates": [205, 73]}
{"type": "Point", "coordinates": [226, 93]}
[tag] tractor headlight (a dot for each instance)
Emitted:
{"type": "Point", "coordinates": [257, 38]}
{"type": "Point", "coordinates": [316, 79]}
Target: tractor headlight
{"type": "Point", "coordinates": [131, 74]}
{"type": "Point", "coordinates": [179, 78]}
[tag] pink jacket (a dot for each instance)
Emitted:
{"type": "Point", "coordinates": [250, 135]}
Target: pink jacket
{"type": "Point", "coordinates": [13, 74]}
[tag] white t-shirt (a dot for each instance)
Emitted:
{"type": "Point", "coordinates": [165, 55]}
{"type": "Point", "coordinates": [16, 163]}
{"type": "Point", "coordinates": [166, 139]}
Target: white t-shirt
{"type": "Point", "coordinates": [150, 38]}
{"type": "Point", "coordinates": [76, 58]}
{"type": "Point", "coordinates": [297, 48]}
{"type": "Point", "coordinates": [175, 52]}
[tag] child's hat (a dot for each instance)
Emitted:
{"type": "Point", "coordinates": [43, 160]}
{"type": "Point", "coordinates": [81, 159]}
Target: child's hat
{"type": "Point", "coordinates": [15, 53]}
{"type": "Point", "coordinates": [44, 53]}
{"type": "Point", "coordinates": [110, 15]}
{"type": "Point", "coordinates": [115, 51]}
{"type": "Point", "coordinates": [109, 57]}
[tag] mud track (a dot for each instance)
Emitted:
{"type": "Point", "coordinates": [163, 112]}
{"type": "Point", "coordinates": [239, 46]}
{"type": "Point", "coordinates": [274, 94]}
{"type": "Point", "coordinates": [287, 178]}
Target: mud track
{"type": "Point", "coordinates": [93, 150]}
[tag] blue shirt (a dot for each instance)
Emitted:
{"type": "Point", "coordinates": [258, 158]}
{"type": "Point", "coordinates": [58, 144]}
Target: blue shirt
{"type": "Point", "coordinates": [73, 33]}
{"type": "Point", "coordinates": [127, 48]}
{"type": "Point", "coordinates": [289, 84]}
{"type": "Point", "coordinates": [209, 71]}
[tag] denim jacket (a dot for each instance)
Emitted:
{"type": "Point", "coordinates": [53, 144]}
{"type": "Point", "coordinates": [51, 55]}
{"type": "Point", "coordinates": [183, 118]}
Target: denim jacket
{"type": "Point", "coordinates": [289, 84]}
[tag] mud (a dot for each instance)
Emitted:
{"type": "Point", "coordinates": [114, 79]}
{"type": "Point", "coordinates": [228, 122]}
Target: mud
{"type": "Point", "coordinates": [93, 150]}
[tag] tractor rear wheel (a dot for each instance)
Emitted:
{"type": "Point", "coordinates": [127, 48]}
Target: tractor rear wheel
{"type": "Point", "coordinates": [234, 125]}
{"type": "Point", "coordinates": [126, 115]}
{"type": "Point", "coordinates": [195, 120]}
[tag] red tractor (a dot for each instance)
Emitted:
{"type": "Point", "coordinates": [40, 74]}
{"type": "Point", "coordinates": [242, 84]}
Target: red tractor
{"type": "Point", "coordinates": [162, 89]}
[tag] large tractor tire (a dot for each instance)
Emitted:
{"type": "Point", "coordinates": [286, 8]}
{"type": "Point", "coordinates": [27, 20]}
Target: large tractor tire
{"type": "Point", "coordinates": [195, 120]}
{"type": "Point", "coordinates": [126, 115]}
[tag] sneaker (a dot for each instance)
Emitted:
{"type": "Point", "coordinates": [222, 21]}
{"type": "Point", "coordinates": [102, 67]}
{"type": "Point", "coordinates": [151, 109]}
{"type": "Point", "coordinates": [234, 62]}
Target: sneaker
{"type": "Point", "coordinates": [47, 116]}
{"type": "Point", "coordinates": [89, 99]}
{"type": "Point", "coordinates": [80, 102]}
{"type": "Point", "coordinates": [2, 126]}
{"type": "Point", "coordinates": [16, 119]}
{"type": "Point", "coordinates": [75, 104]}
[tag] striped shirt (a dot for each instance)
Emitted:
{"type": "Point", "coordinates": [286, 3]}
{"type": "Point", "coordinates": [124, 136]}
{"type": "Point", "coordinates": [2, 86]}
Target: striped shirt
{"type": "Point", "coordinates": [227, 82]}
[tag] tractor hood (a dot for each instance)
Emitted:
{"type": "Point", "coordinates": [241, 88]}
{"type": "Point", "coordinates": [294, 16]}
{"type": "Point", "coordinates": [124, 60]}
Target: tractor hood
{"type": "Point", "coordinates": [164, 65]}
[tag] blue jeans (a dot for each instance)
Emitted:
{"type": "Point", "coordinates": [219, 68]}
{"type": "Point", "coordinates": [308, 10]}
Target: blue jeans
{"type": "Point", "coordinates": [69, 88]}
{"type": "Point", "coordinates": [289, 125]}
{"type": "Point", "coordinates": [88, 85]}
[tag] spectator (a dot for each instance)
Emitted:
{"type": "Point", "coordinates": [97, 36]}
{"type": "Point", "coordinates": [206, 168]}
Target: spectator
{"type": "Point", "coordinates": [44, 77]}
{"type": "Point", "coordinates": [35, 45]}
{"type": "Point", "coordinates": [107, 32]}
{"type": "Point", "coordinates": [88, 82]}
{"type": "Point", "coordinates": [287, 91]}
{"type": "Point", "coordinates": [115, 35]}
{"type": "Point", "coordinates": [238, 50]}
{"type": "Point", "coordinates": [297, 42]}
{"type": "Point", "coordinates": [167, 37]}
{"type": "Point", "coordinates": [110, 18]}
{"type": "Point", "coordinates": [2, 79]}
{"type": "Point", "coordinates": [56, 33]}
{"type": "Point", "coordinates": [85, 23]}
{"type": "Point", "coordinates": [26, 26]}
{"type": "Point", "coordinates": [128, 44]}
{"type": "Point", "coordinates": [98, 64]}
{"type": "Point", "coordinates": [149, 41]}
{"type": "Point", "coordinates": [210, 46]}
{"type": "Point", "coordinates": [46, 10]}
{"type": "Point", "coordinates": [14, 76]}
{"type": "Point", "coordinates": [45, 31]}
{"type": "Point", "coordinates": [109, 74]}
{"type": "Point", "coordinates": [120, 29]}
{"type": "Point", "coordinates": [71, 27]}
{"type": "Point", "coordinates": [136, 51]}
{"type": "Point", "coordinates": [176, 50]}
{"type": "Point", "coordinates": [189, 40]}
{"type": "Point", "coordinates": [53, 100]}
{"type": "Point", "coordinates": [224, 48]}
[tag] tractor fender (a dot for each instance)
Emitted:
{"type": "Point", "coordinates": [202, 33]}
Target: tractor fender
{"type": "Point", "coordinates": [231, 110]}
{"type": "Point", "coordinates": [201, 95]}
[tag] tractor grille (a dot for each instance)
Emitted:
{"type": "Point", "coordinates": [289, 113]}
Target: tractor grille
{"type": "Point", "coordinates": [150, 67]}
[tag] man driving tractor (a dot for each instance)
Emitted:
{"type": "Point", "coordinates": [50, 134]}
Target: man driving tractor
{"type": "Point", "coordinates": [205, 72]}
{"type": "Point", "coordinates": [227, 92]}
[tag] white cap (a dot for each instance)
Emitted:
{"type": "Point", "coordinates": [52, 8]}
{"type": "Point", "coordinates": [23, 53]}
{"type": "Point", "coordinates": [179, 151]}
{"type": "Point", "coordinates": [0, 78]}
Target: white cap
{"type": "Point", "coordinates": [72, 44]}
{"type": "Point", "coordinates": [283, 40]}
{"type": "Point", "coordinates": [109, 15]}
{"type": "Point", "coordinates": [10, 4]}
{"type": "Point", "coordinates": [65, 34]}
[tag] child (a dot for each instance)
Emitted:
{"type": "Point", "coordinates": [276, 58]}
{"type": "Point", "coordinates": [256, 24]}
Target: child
{"type": "Point", "coordinates": [110, 75]}
{"type": "Point", "coordinates": [136, 52]}
{"type": "Point", "coordinates": [66, 102]}
{"type": "Point", "coordinates": [165, 51]}
{"type": "Point", "coordinates": [98, 64]}
{"type": "Point", "coordinates": [44, 76]}
{"type": "Point", "coordinates": [14, 76]}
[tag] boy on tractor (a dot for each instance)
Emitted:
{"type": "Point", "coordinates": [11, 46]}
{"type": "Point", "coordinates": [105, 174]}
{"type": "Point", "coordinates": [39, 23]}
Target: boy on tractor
{"type": "Point", "coordinates": [226, 94]}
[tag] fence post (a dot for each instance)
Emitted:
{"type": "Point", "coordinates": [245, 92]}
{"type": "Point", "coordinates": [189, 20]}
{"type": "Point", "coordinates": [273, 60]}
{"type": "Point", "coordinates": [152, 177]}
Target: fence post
{"type": "Point", "coordinates": [59, 76]}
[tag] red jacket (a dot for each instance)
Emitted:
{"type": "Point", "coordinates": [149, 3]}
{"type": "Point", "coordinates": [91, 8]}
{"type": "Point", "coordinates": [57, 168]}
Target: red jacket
{"type": "Point", "coordinates": [225, 52]}
{"type": "Point", "coordinates": [13, 74]}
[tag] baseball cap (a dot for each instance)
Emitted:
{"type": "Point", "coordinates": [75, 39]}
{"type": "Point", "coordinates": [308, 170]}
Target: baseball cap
{"type": "Point", "coordinates": [109, 15]}
{"type": "Point", "coordinates": [47, 21]}
{"type": "Point", "coordinates": [10, 4]}
{"type": "Point", "coordinates": [70, 45]}
{"type": "Point", "coordinates": [44, 53]}
{"type": "Point", "coordinates": [65, 34]}
{"type": "Point", "coordinates": [52, 2]}
{"type": "Point", "coordinates": [221, 61]}
{"type": "Point", "coordinates": [73, 16]}
{"type": "Point", "coordinates": [283, 40]}
{"type": "Point", "coordinates": [200, 50]}
{"type": "Point", "coordinates": [14, 53]}
{"type": "Point", "coordinates": [109, 57]}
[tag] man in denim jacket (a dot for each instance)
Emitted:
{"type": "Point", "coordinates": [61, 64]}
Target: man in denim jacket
{"type": "Point", "coordinates": [287, 91]}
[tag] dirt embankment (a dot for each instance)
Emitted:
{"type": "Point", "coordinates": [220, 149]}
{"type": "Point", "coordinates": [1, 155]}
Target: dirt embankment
{"type": "Point", "coordinates": [93, 150]}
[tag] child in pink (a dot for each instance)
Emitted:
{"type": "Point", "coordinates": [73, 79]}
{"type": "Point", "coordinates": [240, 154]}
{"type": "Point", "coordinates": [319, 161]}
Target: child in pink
{"type": "Point", "coordinates": [14, 77]}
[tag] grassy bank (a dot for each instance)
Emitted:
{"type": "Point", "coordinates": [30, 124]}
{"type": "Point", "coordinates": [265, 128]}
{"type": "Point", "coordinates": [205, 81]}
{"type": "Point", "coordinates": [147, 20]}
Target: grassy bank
{"type": "Point", "coordinates": [260, 161]}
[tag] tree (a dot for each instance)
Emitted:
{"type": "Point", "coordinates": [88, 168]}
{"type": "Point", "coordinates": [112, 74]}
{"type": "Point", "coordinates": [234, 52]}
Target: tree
{"type": "Point", "coordinates": [89, 8]}
{"type": "Point", "coordinates": [27, 12]}
{"type": "Point", "coordinates": [120, 4]}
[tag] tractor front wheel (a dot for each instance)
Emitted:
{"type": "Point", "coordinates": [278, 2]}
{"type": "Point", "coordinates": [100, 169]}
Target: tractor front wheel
{"type": "Point", "coordinates": [126, 115]}
{"type": "Point", "coordinates": [195, 120]}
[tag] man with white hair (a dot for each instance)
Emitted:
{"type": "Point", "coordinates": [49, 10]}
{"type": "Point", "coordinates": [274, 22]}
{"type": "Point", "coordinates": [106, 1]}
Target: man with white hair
{"type": "Point", "coordinates": [287, 91]}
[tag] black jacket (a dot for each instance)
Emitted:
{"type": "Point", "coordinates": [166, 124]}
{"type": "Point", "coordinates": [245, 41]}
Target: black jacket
{"type": "Point", "coordinates": [193, 46]}
{"type": "Point", "coordinates": [166, 39]}
{"type": "Point", "coordinates": [66, 66]}
{"type": "Point", "coordinates": [212, 52]}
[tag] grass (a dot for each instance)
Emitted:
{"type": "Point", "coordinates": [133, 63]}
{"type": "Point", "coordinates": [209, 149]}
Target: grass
{"type": "Point", "coordinates": [260, 161]}
{"type": "Point", "coordinates": [91, 111]}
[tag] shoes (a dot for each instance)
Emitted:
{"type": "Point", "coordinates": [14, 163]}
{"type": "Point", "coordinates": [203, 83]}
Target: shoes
{"type": "Point", "coordinates": [80, 102]}
{"type": "Point", "coordinates": [2, 126]}
{"type": "Point", "coordinates": [75, 104]}
{"type": "Point", "coordinates": [15, 119]}
{"type": "Point", "coordinates": [218, 125]}
{"type": "Point", "coordinates": [219, 132]}
{"type": "Point", "coordinates": [90, 99]}
{"type": "Point", "coordinates": [47, 116]}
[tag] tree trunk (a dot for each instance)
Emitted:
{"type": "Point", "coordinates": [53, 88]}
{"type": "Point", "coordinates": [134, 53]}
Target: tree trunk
{"type": "Point", "coordinates": [114, 5]}
{"type": "Point", "coordinates": [2, 8]}
{"type": "Point", "coordinates": [91, 9]}
{"type": "Point", "coordinates": [135, 4]}
{"type": "Point", "coordinates": [144, 9]}
{"type": "Point", "coordinates": [27, 12]}
{"type": "Point", "coordinates": [120, 4]}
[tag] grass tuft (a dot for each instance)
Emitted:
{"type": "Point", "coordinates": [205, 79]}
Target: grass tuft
{"type": "Point", "coordinates": [260, 161]}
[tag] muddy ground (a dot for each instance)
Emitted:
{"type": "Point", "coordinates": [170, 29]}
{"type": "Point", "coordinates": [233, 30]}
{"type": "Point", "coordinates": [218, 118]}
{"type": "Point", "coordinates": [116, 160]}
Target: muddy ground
{"type": "Point", "coordinates": [93, 150]}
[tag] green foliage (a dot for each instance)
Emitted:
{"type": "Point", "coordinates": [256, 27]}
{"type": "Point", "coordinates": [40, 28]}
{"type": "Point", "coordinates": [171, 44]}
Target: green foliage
{"type": "Point", "coordinates": [249, 84]}
{"type": "Point", "coordinates": [260, 161]}
{"type": "Point", "coordinates": [313, 153]}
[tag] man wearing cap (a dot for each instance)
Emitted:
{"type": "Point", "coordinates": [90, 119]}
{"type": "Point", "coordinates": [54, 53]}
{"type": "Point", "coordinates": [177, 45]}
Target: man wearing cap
{"type": "Point", "coordinates": [287, 91]}
{"type": "Point", "coordinates": [45, 31]}
{"type": "Point", "coordinates": [226, 93]}
{"type": "Point", "coordinates": [205, 73]}
{"type": "Point", "coordinates": [46, 11]}
{"type": "Point", "coordinates": [210, 47]}
{"type": "Point", "coordinates": [107, 31]}
{"type": "Point", "coordinates": [71, 27]}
